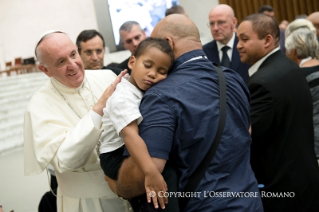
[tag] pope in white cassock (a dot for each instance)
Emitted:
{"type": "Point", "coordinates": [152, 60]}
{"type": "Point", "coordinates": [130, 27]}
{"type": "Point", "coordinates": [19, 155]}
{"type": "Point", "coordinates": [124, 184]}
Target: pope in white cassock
{"type": "Point", "coordinates": [63, 126]}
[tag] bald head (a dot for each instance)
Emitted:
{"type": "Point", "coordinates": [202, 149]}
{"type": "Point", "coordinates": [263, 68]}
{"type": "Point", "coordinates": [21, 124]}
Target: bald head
{"type": "Point", "coordinates": [42, 48]}
{"type": "Point", "coordinates": [223, 9]}
{"type": "Point", "coordinates": [222, 23]}
{"type": "Point", "coordinates": [178, 26]}
{"type": "Point", "coordinates": [314, 18]}
{"type": "Point", "coordinates": [181, 33]}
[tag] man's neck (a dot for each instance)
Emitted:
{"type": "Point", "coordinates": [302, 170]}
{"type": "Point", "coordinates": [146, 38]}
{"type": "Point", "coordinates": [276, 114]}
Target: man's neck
{"type": "Point", "coordinates": [186, 46]}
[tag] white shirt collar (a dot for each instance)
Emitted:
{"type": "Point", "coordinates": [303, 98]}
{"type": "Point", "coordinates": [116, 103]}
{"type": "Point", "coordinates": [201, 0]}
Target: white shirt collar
{"type": "Point", "coordinates": [254, 68]}
{"type": "Point", "coordinates": [230, 44]}
{"type": "Point", "coordinates": [66, 89]}
{"type": "Point", "coordinates": [132, 87]}
{"type": "Point", "coordinates": [304, 60]}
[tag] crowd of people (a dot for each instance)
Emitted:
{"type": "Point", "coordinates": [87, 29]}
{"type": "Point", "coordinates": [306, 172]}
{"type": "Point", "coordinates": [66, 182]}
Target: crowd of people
{"type": "Point", "coordinates": [132, 136]}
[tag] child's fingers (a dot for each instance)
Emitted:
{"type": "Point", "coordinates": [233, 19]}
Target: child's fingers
{"type": "Point", "coordinates": [155, 201]}
{"type": "Point", "coordinates": [165, 199]}
{"type": "Point", "coordinates": [149, 194]}
{"type": "Point", "coordinates": [161, 202]}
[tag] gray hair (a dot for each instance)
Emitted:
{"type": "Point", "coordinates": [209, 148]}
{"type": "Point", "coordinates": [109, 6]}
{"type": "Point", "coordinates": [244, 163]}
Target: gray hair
{"type": "Point", "coordinates": [127, 26]}
{"type": "Point", "coordinates": [38, 53]}
{"type": "Point", "coordinates": [301, 36]}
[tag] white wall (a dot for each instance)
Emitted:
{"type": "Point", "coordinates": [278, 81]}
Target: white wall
{"type": "Point", "coordinates": [198, 12]}
{"type": "Point", "coordinates": [23, 21]}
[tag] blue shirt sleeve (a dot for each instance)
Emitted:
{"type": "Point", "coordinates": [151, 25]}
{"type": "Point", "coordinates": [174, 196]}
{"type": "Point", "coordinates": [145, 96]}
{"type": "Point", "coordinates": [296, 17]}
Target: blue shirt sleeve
{"type": "Point", "coordinates": [158, 125]}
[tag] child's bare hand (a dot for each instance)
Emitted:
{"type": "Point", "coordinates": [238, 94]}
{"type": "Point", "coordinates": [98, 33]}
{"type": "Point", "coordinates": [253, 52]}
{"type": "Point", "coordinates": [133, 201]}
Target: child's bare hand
{"type": "Point", "coordinates": [155, 187]}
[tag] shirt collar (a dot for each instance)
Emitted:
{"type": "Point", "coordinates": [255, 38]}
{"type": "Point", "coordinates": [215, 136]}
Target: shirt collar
{"type": "Point", "coordinates": [136, 91]}
{"type": "Point", "coordinates": [304, 60]}
{"type": "Point", "coordinates": [187, 56]}
{"type": "Point", "coordinates": [59, 86]}
{"type": "Point", "coordinates": [230, 43]}
{"type": "Point", "coordinates": [254, 68]}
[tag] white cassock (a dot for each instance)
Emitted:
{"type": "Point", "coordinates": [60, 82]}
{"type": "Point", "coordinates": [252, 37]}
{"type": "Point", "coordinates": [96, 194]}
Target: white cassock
{"type": "Point", "coordinates": [54, 133]}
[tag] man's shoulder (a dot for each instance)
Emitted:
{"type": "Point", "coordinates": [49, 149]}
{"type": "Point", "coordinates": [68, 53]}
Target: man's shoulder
{"type": "Point", "coordinates": [276, 70]}
{"type": "Point", "coordinates": [100, 73]}
{"type": "Point", "coordinates": [123, 64]}
{"type": "Point", "coordinates": [100, 76]}
{"type": "Point", "coordinates": [210, 45]}
{"type": "Point", "coordinates": [41, 96]}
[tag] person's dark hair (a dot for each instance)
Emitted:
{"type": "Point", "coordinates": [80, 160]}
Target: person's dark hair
{"type": "Point", "coordinates": [263, 25]}
{"type": "Point", "coordinates": [160, 44]}
{"type": "Point", "coordinates": [86, 35]}
{"type": "Point", "coordinates": [175, 10]}
{"type": "Point", "coordinates": [264, 8]}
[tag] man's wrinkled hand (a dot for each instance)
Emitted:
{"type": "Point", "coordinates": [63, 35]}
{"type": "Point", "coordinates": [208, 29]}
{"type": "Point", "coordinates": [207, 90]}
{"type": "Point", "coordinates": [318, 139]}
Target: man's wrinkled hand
{"type": "Point", "coordinates": [98, 107]}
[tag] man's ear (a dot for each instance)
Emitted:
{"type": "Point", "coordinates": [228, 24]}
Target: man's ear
{"type": "Point", "coordinates": [268, 40]}
{"type": "Point", "coordinates": [170, 42]}
{"type": "Point", "coordinates": [144, 33]}
{"type": "Point", "coordinates": [131, 62]}
{"type": "Point", "coordinates": [44, 70]}
{"type": "Point", "coordinates": [235, 21]}
{"type": "Point", "coordinates": [294, 54]}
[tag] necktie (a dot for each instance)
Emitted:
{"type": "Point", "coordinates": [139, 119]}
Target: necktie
{"type": "Point", "coordinates": [225, 60]}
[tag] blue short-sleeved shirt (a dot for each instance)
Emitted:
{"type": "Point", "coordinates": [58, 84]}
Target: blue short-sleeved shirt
{"type": "Point", "coordinates": [180, 121]}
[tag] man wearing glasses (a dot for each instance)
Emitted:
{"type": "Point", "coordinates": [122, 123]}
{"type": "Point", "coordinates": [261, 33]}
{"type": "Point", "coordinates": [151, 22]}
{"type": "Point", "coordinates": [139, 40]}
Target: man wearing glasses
{"type": "Point", "coordinates": [91, 47]}
{"type": "Point", "coordinates": [222, 50]}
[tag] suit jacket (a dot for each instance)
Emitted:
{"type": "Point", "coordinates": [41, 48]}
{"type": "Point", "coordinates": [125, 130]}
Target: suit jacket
{"type": "Point", "coordinates": [282, 150]}
{"type": "Point", "coordinates": [123, 65]}
{"type": "Point", "coordinates": [212, 54]}
{"type": "Point", "coordinates": [115, 70]}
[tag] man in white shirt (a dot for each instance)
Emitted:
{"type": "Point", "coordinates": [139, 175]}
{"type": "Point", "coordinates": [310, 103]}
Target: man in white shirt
{"type": "Point", "coordinates": [63, 126]}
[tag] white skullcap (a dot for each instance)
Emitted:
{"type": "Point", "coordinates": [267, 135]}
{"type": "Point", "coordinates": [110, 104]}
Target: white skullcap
{"type": "Point", "coordinates": [43, 36]}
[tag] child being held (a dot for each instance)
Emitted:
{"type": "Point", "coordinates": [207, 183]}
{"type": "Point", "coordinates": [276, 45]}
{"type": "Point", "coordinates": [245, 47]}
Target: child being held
{"type": "Point", "coordinates": [149, 64]}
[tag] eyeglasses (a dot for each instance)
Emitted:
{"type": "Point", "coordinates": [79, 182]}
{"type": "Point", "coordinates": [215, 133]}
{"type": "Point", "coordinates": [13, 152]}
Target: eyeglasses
{"type": "Point", "coordinates": [90, 52]}
{"type": "Point", "coordinates": [219, 24]}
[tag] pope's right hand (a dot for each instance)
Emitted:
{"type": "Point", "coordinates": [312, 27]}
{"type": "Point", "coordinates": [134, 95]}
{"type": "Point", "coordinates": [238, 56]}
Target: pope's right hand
{"type": "Point", "coordinates": [98, 107]}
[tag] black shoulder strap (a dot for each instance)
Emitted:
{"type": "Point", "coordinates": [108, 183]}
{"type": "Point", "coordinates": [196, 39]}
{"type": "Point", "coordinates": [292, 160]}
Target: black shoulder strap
{"type": "Point", "coordinates": [196, 177]}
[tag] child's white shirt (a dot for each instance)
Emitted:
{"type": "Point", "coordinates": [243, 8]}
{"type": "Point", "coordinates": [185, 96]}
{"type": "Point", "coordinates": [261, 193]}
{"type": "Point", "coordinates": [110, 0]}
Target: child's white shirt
{"type": "Point", "coordinates": [121, 109]}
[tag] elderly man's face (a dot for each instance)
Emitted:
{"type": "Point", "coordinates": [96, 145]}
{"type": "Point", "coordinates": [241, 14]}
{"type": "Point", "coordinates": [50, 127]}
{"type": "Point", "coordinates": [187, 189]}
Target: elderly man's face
{"type": "Point", "coordinates": [221, 26]}
{"type": "Point", "coordinates": [61, 60]}
{"type": "Point", "coordinates": [131, 39]}
{"type": "Point", "coordinates": [92, 53]}
{"type": "Point", "coordinates": [249, 46]}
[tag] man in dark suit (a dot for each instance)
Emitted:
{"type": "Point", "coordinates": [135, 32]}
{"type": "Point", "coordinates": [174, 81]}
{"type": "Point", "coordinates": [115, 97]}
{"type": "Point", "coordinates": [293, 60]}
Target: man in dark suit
{"type": "Point", "coordinates": [282, 150]}
{"type": "Point", "coordinates": [222, 23]}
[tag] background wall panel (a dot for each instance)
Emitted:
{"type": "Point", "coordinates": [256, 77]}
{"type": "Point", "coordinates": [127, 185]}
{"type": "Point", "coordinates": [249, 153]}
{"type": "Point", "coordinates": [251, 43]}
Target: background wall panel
{"type": "Point", "coordinates": [284, 9]}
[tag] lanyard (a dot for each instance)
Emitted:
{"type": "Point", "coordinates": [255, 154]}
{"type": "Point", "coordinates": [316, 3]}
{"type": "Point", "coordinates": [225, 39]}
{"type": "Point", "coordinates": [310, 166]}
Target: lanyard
{"type": "Point", "coordinates": [194, 58]}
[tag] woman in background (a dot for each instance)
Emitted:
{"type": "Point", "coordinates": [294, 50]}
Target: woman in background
{"type": "Point", "coordinates": [302, 47]}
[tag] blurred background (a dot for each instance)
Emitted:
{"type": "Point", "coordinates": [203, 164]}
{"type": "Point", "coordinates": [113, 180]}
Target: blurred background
{"type": "Point", "coordinates": [22, 22]}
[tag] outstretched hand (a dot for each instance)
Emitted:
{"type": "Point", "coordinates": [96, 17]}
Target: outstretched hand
{"type": "Point", "coordinates": [98, 107]}
{"type": "Point", "coordinates": [155, 187]}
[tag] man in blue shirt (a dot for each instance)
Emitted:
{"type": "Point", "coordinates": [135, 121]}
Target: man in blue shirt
{"type": "Point", "coordinates": [180, 121]}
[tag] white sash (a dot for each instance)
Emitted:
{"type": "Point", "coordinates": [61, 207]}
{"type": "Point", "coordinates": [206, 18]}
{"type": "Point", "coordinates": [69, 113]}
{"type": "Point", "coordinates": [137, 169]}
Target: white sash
{"type": "Point", "coordinates": [84, 185]}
